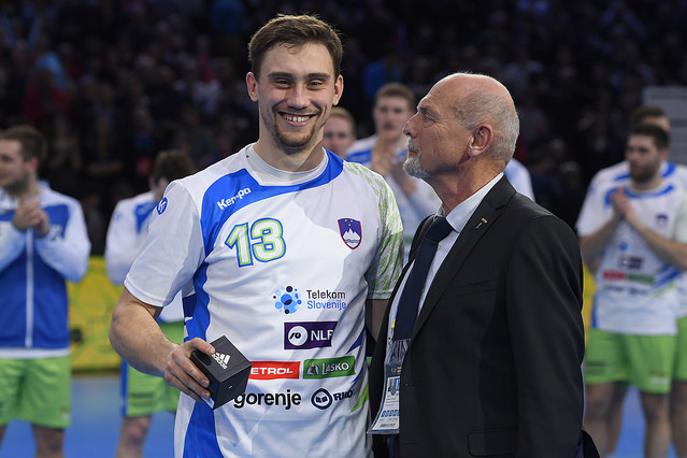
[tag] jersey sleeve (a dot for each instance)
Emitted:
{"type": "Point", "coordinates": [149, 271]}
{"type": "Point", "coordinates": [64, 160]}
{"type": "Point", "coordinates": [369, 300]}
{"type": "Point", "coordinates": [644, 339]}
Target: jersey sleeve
{"type": "Point", "coordinates": [519, 177]}
{"type": "Point", "coordinates": [594, 212]}
{"type": "Point", "coordinates": [386, 265]}
{"type": "Point", "coordinates": [67, 252]}
{"type": "Point", "coordinates": [172, 251]}
{"type": "Point", "coordinates": [120, 245]}
{"type": "Point", "coordinates": [12, 243]}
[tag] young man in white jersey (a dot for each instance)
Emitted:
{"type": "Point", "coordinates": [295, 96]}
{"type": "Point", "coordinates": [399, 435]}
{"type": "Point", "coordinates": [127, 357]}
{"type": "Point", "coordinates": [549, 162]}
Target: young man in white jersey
{"type": "Point", "coordinates": [143, 394]}
{"type": "Point", "coordinates": [638, 240]}
{"type": "Point", "coordinates": [339, 132]}
{"type": "Point", "coordinates": [43, 243]}
{"type": "Point", "coordinates": [287, 248]}
{"type": "Point", "coordinates": [385, 151]}
{"type": "Point", "coordinates": [619, 175]}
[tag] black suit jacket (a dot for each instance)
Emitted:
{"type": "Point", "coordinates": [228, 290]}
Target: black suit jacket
{"type": "Point", "coordinates": [494, 364]}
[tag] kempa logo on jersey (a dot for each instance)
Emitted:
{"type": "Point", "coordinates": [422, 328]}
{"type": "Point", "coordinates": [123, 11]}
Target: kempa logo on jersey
{"type": "Point", "coordinates": [328, 367]}
{"type": "Point", "coordinates": [319, 299]}
{"type": "Point", "coordinates": [224, 203]}
{"type": "Point", "coordinates": [308, 334]}
{"type": "Point", "coordinates": [271, 370]}
{"type": "Point", "coordinates": [323, 399]}
{"type": "Point", "coordinates": [221, 359]}
{"type": "Point", "coordinates": [283, 400]}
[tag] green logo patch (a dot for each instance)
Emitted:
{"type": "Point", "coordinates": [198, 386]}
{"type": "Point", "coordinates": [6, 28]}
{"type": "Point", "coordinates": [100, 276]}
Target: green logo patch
{"type": "Point", "coordinates": [329, 367]}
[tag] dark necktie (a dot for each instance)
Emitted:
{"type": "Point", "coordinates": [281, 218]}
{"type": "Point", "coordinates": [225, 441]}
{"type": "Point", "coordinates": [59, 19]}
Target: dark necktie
{"type": "Point", "coordinates": [410, 297]}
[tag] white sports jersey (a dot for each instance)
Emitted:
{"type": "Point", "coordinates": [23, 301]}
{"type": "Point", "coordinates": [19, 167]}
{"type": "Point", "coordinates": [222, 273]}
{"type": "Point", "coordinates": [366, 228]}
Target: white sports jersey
{"type": "Point", "coordinates": [636, 290]}
{"type": "Point", "coordinates": [125, 235]}
{"type": "Point", "coordinates": [619, 175]}
{"type": "Point", "coordinates": [281, 264]}
{"type": "Point", "coordinates": [413, 209]}
{"type": "Point", "coordinates": [519, 177]}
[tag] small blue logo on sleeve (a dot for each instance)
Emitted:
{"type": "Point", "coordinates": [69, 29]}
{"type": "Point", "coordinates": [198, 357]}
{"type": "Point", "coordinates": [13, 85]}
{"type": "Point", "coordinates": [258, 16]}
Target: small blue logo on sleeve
{"type": "Point", "coordinates": [162, 206]}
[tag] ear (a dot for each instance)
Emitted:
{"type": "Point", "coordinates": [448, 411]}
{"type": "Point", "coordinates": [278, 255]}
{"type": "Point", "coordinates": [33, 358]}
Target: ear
{"type": "Point", "coordinates": [33, 165]}
{"type": "Point", "coordinates": [252, 86]}
{"type": "Point", "coordinates": [482, 138]}
{"type": "Point", "coordinates": [338, 89]}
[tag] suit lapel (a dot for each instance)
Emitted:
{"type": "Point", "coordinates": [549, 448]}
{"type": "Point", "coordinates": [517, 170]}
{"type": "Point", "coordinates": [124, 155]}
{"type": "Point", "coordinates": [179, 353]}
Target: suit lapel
{"type": "Point", "coordinates": [479, 223]}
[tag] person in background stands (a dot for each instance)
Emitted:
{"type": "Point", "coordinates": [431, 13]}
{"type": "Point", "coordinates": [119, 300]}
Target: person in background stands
{"type": "Point", "coordinates": [143, 394]}
{"type": "Point", "coordinates": [339, 132]}
{"type": "Point", "coordinates": [43, 243]}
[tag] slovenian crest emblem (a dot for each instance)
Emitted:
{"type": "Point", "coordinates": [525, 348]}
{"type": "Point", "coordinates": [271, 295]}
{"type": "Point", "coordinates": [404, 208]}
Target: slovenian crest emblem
{"type": "Point", "coordinates": [351, 232]}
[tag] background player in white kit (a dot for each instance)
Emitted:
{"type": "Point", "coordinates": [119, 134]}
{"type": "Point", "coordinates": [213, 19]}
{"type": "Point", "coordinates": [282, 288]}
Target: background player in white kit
{"type": "Point", "coordinates": [638, 240]}
{"type": "Point", "coordinates": [619, 175]}
{"type": "Point", "coordinates": [143, 394]}
{"type": "Point", "coordinates": [287, 248]}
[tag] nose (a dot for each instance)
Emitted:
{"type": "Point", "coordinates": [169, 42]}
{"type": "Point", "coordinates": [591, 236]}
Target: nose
{"type": "Point", "coordinates": [297, 97]}
{"type": "Point", "coordinates": [407, 126]}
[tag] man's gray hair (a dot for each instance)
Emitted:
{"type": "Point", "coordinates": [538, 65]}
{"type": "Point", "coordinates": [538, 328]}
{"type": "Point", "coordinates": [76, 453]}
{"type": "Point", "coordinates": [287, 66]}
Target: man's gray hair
{"type": "Point", "coordinates": [478, 107]}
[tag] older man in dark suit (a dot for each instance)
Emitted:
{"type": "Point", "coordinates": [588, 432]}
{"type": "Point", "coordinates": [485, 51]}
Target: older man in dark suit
{"type": "Point", "coordinates": [483, 342]}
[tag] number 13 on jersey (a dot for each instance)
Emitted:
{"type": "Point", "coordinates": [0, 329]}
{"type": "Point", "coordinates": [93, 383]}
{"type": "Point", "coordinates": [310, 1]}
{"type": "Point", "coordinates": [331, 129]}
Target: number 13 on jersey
{"type": "Point", "coordinates": [263, 241]}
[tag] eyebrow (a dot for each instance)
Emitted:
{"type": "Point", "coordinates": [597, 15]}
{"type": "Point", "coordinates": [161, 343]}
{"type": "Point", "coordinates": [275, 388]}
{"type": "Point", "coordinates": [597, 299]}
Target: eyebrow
{"type": "Point", "coordinates": [310, 76]}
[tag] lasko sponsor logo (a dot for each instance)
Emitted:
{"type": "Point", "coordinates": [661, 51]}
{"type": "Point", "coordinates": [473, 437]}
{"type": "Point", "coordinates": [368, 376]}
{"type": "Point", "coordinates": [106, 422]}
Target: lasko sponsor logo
{"type": "Point", "coordinates": [322, 398]}
{"type": "Point", "coordinates": [326, 299]}
{"type": "Point", "coordinates": [329, 367]}
{"type": "Point", "coordinates": [308, 334]}
{"type": "Point", "coordinates": [224, 203]}
{"type": "Point", "coordinates": [270, 370]}
{"type": "Point", "coordinates": [221, 359]}
{"type": "Point", "coordinates": [283, 400]}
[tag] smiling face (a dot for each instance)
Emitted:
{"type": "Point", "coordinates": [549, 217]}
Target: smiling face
{"type": "Point", "coordinates": [295, 93]}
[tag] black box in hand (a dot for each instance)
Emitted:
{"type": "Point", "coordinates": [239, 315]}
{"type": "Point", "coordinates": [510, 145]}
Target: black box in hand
{"type": "Point", "coordinates": [227, 370]}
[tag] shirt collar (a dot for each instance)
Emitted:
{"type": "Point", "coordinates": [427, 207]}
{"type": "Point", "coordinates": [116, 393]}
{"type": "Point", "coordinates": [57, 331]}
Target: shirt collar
{"type": "Point", "coordinates": [459, 216]}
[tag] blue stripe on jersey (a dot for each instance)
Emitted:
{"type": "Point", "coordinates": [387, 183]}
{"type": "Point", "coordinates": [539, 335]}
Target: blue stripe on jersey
{"type": "Point", "coordinates": [358, 342]}
{"type": "Point", "coordinates": [670, 169]}
{"type": "Point", "coordinates": [197, 306]}
{"type": "Point", "coordinates": [666, 277]}
{"type": "Point", "coordinates": [595, 314]}
{"type": "Point", "coordinates": [201, 436]}
{"type": "Point", "coordinates": [361, 157]}
{"type": "Point", "coordinates": [635, 195]}
{"type": "Point", "coordinates": [7, 216]}
{"type": "Point", "coordinates": [142, 212]}
{"type": "Point", "coordinates": [239, 189]}
{"type": "Point", "coordinates": [125, 376]}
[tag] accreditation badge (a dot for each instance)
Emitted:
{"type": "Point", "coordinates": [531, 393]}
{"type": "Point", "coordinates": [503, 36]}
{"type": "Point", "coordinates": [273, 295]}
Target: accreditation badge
{"type": "Point", "coordinates": [388, 418]}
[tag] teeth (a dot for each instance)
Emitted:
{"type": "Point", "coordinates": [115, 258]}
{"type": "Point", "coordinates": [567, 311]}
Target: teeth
{"type": "Point", "coordinates": [293, 118]}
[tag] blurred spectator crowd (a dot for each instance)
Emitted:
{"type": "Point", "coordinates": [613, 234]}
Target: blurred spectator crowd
{"type": "Point", "coordinates": [111, 83]}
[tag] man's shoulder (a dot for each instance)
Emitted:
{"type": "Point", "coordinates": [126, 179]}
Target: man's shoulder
{"type": "Point", "coordinates": [51, 197]}
{"type": "Point", "coordinates": [197, 184]}
{"type": "Point", "coordinates": [361, 151]}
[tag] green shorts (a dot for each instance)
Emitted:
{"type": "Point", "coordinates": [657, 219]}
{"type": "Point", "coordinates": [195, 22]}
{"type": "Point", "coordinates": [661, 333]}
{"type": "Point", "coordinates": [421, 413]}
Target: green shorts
{"type": "Point", "coordinates": [36, 390]}
{"type": "Point", "coordinates": [144, 394]}
{"type": "Point", "coordinates": [680, 371]}
{"type": "Point", "coordinates": [642, 361]}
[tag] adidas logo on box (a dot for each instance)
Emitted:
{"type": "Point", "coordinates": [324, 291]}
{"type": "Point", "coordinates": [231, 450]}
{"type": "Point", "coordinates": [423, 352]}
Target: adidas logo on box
{"type": "Point", "coordinates": [221, 359]}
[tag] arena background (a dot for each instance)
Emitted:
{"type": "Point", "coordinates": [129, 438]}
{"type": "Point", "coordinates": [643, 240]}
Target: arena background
{"type": "Point", "coordinates": [110, 83]}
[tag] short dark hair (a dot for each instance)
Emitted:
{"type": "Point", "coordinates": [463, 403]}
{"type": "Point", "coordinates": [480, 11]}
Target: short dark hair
{"type": "Point", "coordinates": [33, 144]}
{"type": "Point", "coordinates": [396, 90]}
{"type": "Point", "coordinates": [640, 115]}
{"type": "Point", "coordinates": [294, 31]}
{"type": "Point", "coordinates": [172, 165]}
{"type": "Point", "coordinates": [660, 136]}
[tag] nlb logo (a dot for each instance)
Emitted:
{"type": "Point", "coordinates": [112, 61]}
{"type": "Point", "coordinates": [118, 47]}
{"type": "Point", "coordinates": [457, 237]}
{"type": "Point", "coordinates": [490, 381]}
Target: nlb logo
{"type": "Point", "coordinates": [221, 359]}
{"type": "Point", "coordinates": [285, 400]}
{"type": "Point", "coordinates": [308, 334]}
{"type": "Point", "coordinates": [224, 203]}
{"type": "Point", "coordinates": [271, 370]}
{"type": "Point", "coordinates": [323, 399]}
{"type": "Point", "coordinates": [329, 367]}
